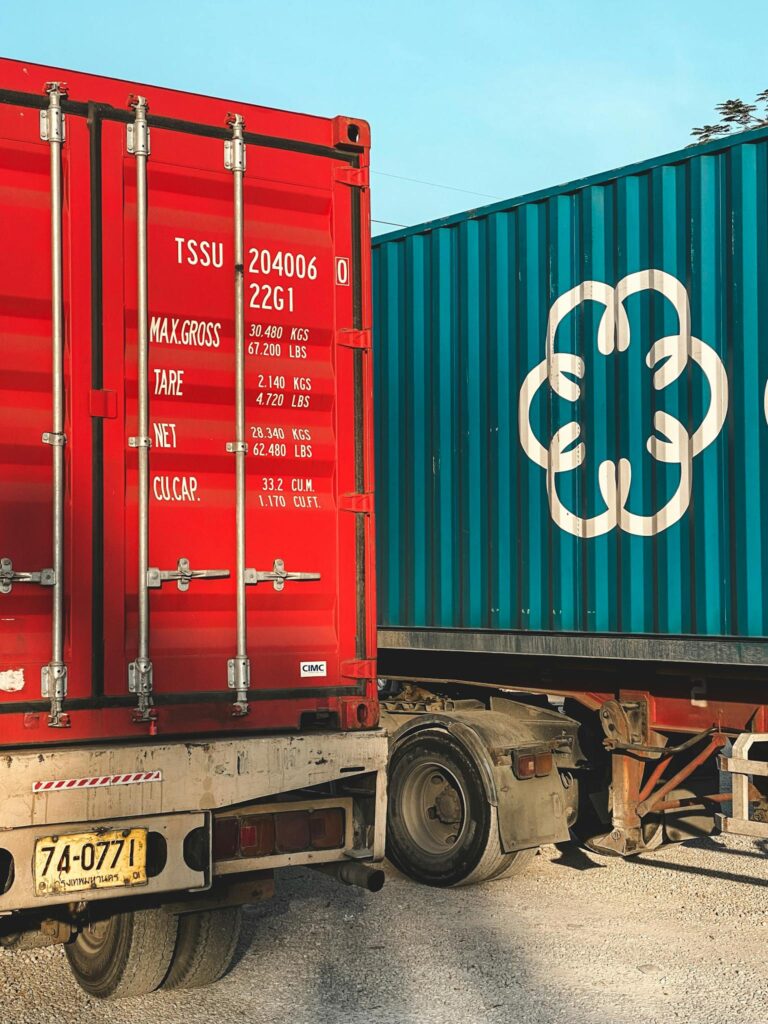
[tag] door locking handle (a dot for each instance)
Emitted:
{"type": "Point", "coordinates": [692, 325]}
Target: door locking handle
{"type": "Point", "coordinates": [183, 574]}
{"type": "Point", "coordinates": [278, 576]}
{"type": "Point", "coordinates": [44, 578]}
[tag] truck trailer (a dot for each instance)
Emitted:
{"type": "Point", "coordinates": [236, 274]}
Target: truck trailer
{"type": "Point", "coordinates": [571, 435]}
{"type": "Point", "coordinates": [188, 695]}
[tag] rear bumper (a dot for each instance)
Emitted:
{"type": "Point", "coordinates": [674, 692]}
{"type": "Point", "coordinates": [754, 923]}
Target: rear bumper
{"type": "Point", "coordinates": [176, 788]}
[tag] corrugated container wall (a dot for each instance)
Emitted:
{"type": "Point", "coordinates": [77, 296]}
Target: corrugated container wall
{"type": "Point", "coordinates": [571, 406]}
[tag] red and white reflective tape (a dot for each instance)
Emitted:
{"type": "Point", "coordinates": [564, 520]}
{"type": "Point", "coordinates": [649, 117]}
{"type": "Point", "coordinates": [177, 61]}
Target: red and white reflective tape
{"type": "Point", "coordinates": [97, 782]}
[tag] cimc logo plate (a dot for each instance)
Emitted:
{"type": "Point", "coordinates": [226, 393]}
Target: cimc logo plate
{"type": "Point", "coordinates": [670, 442]}
{"type": "Point", "coordinates": [313, 668]}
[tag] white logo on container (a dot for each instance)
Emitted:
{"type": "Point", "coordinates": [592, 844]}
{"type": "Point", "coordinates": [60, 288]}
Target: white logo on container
{"type": "Point", "coordinates": [671, 442]}
{"type": "Point", "coordinates": [313, 668]}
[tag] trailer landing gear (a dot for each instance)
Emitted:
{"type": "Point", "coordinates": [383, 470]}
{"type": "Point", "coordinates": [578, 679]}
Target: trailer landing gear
{"type": "Point", "coordinates": [630, 833]}
{"type": "Point", "coordinates": [639, 802]}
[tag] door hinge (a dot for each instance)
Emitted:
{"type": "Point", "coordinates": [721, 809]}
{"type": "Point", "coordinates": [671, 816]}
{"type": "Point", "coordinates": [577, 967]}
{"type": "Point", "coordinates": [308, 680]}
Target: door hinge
{"type": "Point", "coordinates": [351, 338]}
{"type": "Point", "coordinates": [362, 503]}
{"type": "Point", "coordinates": [358, 177]}
{"type": "Point", "coordinates": [103, 404]}
{"type": "Point", "coordinates": [363, 669]}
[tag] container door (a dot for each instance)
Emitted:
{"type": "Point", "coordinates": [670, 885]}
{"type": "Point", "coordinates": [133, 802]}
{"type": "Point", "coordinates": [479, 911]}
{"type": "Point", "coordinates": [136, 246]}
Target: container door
{"type": "Point", "coordinates": [30, 439]}
{"type": "Point", "coordinates": [300, 545]}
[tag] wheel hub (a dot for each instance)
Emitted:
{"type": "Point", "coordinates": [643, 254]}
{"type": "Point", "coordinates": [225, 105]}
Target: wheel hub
{"type": "Point", "coordinates": [433, 808]}
{"type": "Point", "coordinates": [95, 934]}
{"type": "Point", "coordinates": [448, 805]}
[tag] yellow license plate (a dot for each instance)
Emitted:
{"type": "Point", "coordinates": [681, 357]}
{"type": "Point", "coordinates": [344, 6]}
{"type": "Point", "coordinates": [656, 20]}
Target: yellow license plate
{"type": "Point", "coordinates": [90, 860]}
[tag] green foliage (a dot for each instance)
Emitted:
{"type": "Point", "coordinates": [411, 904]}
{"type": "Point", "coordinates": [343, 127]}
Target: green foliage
{"type": "Point", "coordinates": [735, 116]}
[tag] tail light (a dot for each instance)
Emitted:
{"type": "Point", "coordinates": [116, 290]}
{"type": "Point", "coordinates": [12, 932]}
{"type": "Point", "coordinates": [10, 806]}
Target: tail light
{"type": "Point", "coordinates": [257, 835]}
{"type": "Point", "coordinates": [525, 766]}
{"type": "Point", "coordinates": [327, 829]}
{"type": "Point", "coordinates": [292, 833]}
{"type": "Point", "coordinates": [529, 766]}
{"type": "Point", "coordinates": [263, 835]}
{"type": "Point", "coordinates": [226, 835]}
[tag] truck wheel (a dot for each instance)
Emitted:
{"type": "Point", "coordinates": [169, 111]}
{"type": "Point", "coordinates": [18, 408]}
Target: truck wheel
{"type": "Point", "coordinates": [520, 860]}
{"type": "Point", "coordinates": [441, 829]}
{"type": "Point", "coordinates": [205, 947]}
{"type": "Point", "coordinates": [126, 955]}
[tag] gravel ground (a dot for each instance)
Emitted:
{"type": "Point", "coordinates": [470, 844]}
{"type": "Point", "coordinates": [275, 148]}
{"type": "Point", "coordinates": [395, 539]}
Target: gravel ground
{"type": "Point", "coordinates": [677, 935]}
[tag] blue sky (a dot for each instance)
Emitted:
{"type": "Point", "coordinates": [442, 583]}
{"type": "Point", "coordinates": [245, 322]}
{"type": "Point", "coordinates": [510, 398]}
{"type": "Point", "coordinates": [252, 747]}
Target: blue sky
{"type": "Point", "coordinates": [491, 97]}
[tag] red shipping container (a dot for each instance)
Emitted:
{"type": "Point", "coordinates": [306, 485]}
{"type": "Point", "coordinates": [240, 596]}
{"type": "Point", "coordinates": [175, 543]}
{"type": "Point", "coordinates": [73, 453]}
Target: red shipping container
{"type": "Point", "coordinates": [125, 152]}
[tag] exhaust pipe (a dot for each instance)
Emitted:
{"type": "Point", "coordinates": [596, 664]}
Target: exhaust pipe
{"type": "Point", "coordinates": [352, 872]}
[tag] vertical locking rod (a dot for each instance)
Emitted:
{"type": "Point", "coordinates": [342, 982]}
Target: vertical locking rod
{"type": "Point", "coordinates": [54, 675]}
{"type": "Point", "coordinates": [239, 668]}
{"type": "Point", "coordinates": [140, 671]}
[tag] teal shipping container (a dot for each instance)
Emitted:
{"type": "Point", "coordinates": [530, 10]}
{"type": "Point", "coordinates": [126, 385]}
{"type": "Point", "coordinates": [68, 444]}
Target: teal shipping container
{"type": "Point", "coordinates": [572, 417]}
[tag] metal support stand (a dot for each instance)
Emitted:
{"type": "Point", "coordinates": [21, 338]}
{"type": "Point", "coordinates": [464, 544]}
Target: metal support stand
{"type": "Point", "coordinates": [636, 807]}
{"type": "Point", "coordinates": [741, 822]}
{"type": "Point", "coordinates": [625, 724]}
{"type": "Point", "coordinates": [626, 835]}
{"type": "Point", "coordinates": [54, 674]}
{"type": "Point", "coordinates": [140, 670]}
{"type": "Point", "coordinates": [651, 803]}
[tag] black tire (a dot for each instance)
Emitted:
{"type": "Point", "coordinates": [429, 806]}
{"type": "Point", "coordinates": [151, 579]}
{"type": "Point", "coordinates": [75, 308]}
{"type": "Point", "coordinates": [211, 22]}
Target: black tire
{"type": "Point", "coordinates": [126, 955]}
{"type": "Point", "coordinates": [520, 861]}
{"type": "Point", "coordinates": [441, 829]}
{"type": "Point", "coordinates": [205, 947]}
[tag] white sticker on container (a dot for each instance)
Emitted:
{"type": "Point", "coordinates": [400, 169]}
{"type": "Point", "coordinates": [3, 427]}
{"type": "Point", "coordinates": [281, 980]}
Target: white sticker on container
{"type": "Point", "coordinates": [12, 680]}
{"type": "Point", "coordinates": [313, 668]}
{"type": "Point", "coordinates": [342, 270]}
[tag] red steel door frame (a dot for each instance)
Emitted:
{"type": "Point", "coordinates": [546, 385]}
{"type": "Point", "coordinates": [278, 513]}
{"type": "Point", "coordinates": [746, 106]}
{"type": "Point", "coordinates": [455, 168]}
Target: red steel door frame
{"type": "Point", "coordinates": [98, 704]}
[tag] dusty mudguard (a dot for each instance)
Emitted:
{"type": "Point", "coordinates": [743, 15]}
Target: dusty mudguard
{"type": "Point", "coordinates": [526, 812]}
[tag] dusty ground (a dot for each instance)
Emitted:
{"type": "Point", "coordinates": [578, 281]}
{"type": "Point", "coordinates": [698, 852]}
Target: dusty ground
{"type": "Point", "coordinates": [678, 935]}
